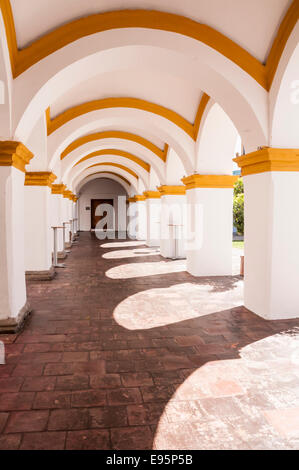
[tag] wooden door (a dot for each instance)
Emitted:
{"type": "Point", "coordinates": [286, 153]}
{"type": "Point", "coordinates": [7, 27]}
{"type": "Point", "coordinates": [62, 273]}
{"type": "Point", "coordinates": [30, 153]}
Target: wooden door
{"type": "Point", "coordinates": [95, 218]}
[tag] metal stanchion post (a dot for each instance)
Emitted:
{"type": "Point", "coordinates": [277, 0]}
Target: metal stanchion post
{"type": "Point", "coordinates": [55, 261]}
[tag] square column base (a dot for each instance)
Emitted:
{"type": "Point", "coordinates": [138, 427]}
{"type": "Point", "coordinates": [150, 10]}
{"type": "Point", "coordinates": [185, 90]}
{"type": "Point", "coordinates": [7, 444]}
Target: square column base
{"type": "Point", "coordinates": [14, 325]}
{"type": "Point", "coordinates": [41, 275]}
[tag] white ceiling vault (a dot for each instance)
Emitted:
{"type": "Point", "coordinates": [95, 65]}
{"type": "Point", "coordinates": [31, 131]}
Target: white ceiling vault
{"type": "Point", "coordinates": [252, 24]}
{"type": "Point", "coordinates": [161, 68]}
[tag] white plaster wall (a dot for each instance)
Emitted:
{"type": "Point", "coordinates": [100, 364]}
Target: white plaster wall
{"type": "Point", "coordinates": [56, 220]}
{"type": "Point", "coordinates": [271, 244]}
{"type": "Point", "coordinates": [217, 143]}
{"type": "Point", "coordinates": [209, 231]}
{"type": "Point", "coordinates": [12, 271]}
{"type": "Point", "coordinates": [99, 189]}
{"type": "Point", "coordinates": [37, 228]}
{"type": "Point", "coordinates": [153, 212]}
{"type": "Point", "coordinates": [141, 220]}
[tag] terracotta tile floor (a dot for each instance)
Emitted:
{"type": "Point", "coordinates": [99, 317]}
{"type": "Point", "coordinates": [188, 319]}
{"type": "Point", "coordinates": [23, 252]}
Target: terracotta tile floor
{"type": "Point", "coordinates": [125, 350]}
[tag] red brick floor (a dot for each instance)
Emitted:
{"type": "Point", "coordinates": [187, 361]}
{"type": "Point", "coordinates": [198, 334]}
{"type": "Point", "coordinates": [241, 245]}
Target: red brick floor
{"type": "Point", "coordinates": [125, 350]}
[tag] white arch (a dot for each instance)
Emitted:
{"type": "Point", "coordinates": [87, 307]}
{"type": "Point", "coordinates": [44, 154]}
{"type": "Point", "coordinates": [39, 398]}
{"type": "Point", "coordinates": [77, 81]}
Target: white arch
{"type": "Point", "coordinates": [134, 120]}
{"type": "Point", "coordinates": [76, 170]}
{"type": "Point", "coordinates": [284, 97]}
{"type": "Point", "coordinates": [112, 143]}
{"type": "Point", "coordinates": [237, 92]}
{"type": "Point", "coordinates": [217, 143]}
{"type": "Point", "coordinates": [104, 168]}
{"type": "Point", "coordinates": [95, 176]}
{"type": "Point", "coordinates": [6, 83]}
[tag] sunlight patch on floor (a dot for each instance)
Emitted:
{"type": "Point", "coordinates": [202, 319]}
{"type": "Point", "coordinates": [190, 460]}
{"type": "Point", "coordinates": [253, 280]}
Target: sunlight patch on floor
{"type": "Point", "coordinates": [133, 270]}
{"type": "Point", "coordinates": [163, 306]}
{"type": "Point", "coordinates": [119, 254]}
{"type": "Point", "coordinates": [121, 244]}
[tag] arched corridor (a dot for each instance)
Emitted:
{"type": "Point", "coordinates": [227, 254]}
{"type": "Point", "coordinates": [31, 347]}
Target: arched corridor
{"type": "Point", "coordinates": [149, 255]}
{"type": "Point", "coordinates": [125, 350]}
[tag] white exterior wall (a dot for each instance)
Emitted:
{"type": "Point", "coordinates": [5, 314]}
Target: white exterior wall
{"type": "Point", "coordinates": [210, 225]}
{"type": "Point", "coordinates": [271, 244]}
{"type": "Point", "coordinates": [37, 228]}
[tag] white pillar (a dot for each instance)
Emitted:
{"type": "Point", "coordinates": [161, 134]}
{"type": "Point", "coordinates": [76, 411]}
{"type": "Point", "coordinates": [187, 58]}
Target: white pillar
{"type": "Point", "coordinates": [271, 195]}
{"type": "Point", "coordinates": [153, 209]}
{"type": "Point", "coordinates": [57, 217]}
{"type": "Point", "coordinates": [172, 225]}
{"type": "Point", "coordinates": [66, 216]}
{"type": "Point", "coordinates": [13, 299]}
{"type": "Point", "coordinates": [37, 229]}
{"type": "Point", "coordinates": [209, 224]}
{"type": "Point", "coordinates": [132, 218]}
{"type": "Point", "coordinates": [141, 230]}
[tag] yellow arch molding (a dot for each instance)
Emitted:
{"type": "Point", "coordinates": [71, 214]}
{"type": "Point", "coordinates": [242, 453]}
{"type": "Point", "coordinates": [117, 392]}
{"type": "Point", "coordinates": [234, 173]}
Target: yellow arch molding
{"type": "Point", "coordinates": [111, 173]}
{"type": "Point", "coordinates": [111, 135]}
{"type": "Point", "coordinates": [136, 103]}
{"type": "Point", "coordinates": [117, 165]}
{"type": "Point", "coordinates": [201, 108]}
{"type": "Point", "coordinates": [21, 60]}
{"type": "Point", "coordinates": [120, 153]}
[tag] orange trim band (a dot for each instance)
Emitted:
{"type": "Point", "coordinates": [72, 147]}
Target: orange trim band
{"type": "Point", "coordinates": [119, 153]}
{"type": "Point", "coordinates": [117, 165]}
{"type": "Point", "coordinates": [268, 159]}
{"type": "Point", "coordinates": [166, 190]}
{"type": "Point", "coordinates": [14, 154]}
{"type": "Point", "coordinates": [39, 178]}
{"type": "Point", "coordinates": [113, 135]}
{"type": "Point", "coordinates": [209, 181]}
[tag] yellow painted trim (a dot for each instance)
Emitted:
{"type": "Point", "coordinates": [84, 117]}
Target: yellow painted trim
{"type": "Point", "coordinates": [165, 152]}
{"type": "Point", "coordinates": [112, 173]}
{"type": "Point", "coordinates": [39, 178]}
{"type": "Point", "coordinates": [113, 135]}
{"type": "Point", "coordinates": [67, 194]}
{"type": "Point", "coordinates": [139, 197]}
{"type": "Point", "coordinates": [131, 199]}
{"type": "Point", "coordinates": [23, 59]}
{"type": "Point", "coordinates": [285, 29]}
{"type": "Point", "coordinates": [268, 159]}
{"type": "Point", "coordinates": [201, 108]}
{"type": "Point", "coordinates": [117, 165]}
{"type": "Point", "coordinates": [119, 153]}
{"type": "Point", "coordinates": [14, 154]}
{"type": "Point", "coordinates": [58, 188]}
{"type": "Point", "coordinates": [166, 190]}
{"type": "Point", "coordinates": [106, 103]}
{"type": "Point", "coordinates": [149, 19]}
{"type": "Point", "coordinates": [152, 194]}
{"type": "Point", "coordinates": [209, 181]}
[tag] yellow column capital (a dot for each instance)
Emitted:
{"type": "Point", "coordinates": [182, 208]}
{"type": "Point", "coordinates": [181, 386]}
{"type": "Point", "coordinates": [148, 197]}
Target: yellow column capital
{"type": "Point", "coordinates": [39, 178]}
{"type": "Point", "coordinates": [14, 154]}
{"type": "Point", "coordinates": [209, 181]}
{"type": "Point", "coordinates": [268, 159]}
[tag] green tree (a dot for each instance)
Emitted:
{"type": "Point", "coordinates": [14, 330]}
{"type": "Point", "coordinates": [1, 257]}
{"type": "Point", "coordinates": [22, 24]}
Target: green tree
{"type": "Point", "coordinates": [238, 207]}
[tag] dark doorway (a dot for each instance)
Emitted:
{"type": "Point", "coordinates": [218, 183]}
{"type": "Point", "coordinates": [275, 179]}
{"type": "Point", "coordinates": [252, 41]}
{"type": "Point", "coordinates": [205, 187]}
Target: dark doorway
{"type": "Point", "coordinates": [96, 218]}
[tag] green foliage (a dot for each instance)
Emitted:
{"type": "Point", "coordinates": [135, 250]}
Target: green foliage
{"type": "Point", "coordinates": [239, 213]}
{"type": "Point", "coordinates": [238, 207]}
{"type": "Point", "coordinates": [239, 187]}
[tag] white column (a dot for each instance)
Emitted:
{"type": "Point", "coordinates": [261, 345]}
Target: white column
{"type": "Point", "coordinates": [57, 218]}
{"type": "Point", "coordinates": [13, 299]}
{"type": "Point", "coordinates": [271, 255]}
{"type": "Point", "coordinates": [66, 216]}
{"type": "Point", "coordinates": [172, 221]}
{"type": "Point", "coordinates": [209, 224]}
{"type": "Point", "coordinates": [132, 218]}
{"type": "Point", "coordinates": [37, 229]}
{"type": "Point", "coordinates": [153, 209]}
{"type": "Point", "coordinates": [141, 230]}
